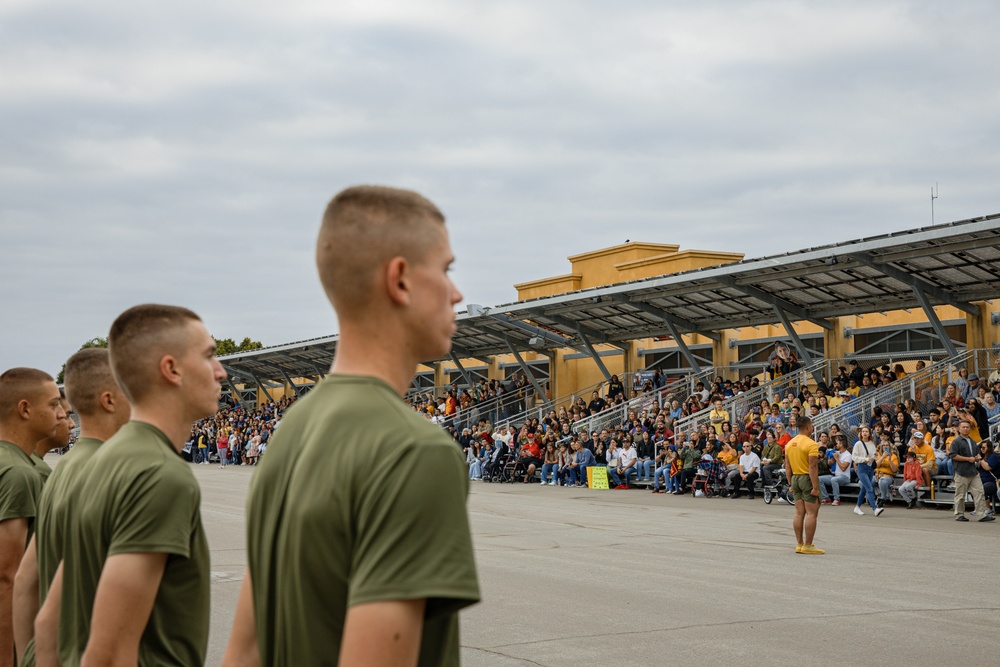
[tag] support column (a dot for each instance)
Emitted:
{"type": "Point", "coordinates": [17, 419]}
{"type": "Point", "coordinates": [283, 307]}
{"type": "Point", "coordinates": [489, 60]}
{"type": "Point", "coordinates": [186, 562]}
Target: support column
{"type": "Point", "coordinates": [561, 377]}
{"type": "Point", "coordinates": [494, 371]}
{"type": "Point", "coordinates": [440, 377]}
{"type": "Point", "coordinates": [935, 322]}
{"type": "Point", "coordinates": [632, 361]}
{"type": "Point", "coordinates": [835, 344]}
{"type": "Point", "coordinates": [723, 355]}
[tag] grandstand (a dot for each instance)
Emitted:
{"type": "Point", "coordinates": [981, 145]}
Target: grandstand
{"type": "Point", "coordinates": [926, 290]}
{"type": "Point", "coordinates": [642, 344]}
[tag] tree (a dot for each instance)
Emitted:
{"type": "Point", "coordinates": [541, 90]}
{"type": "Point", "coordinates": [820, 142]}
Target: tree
{"type": "Point", "coordinates": [93, 342]}
{"type": "Point", "coordinates": [225, 346]}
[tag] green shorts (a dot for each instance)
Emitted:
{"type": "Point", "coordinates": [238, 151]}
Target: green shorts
{"type": "Point", "coordinates": [802, 489]}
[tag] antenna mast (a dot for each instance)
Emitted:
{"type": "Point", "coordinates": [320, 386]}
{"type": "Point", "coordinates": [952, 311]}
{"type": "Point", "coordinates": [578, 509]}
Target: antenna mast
{"type": "Point", "coordinates": [934, 195]}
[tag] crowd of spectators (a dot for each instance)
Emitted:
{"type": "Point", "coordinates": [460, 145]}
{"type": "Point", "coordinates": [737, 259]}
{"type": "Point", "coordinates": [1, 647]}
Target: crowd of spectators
{"type": "Point", "coordinates": [897, 439]}
{"type": "Point", "coordinates": [235, 435]}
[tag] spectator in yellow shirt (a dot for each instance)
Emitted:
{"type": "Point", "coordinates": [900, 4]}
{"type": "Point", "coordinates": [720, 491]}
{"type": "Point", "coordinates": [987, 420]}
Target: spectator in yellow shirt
{"type": "Point", "coordinates": [925, 456]}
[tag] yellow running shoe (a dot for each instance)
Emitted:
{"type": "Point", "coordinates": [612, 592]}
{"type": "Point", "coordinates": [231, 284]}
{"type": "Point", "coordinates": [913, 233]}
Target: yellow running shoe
{"type": "Point", "coordinates": [811, 549]}
{"type": "Point", "coordinates": [798, 548]}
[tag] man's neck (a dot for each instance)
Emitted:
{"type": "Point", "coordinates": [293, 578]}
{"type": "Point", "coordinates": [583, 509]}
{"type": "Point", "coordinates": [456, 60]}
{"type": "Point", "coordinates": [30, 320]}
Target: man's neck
{"type": "Point", "coordinates": [97, 429]}
{"type": "Point", "coordinates": [22, 440]}
{"type": "Point", "coordinates": [374, 354]}
{"type": "Point", "coordinates": [174, 425]}
{"type": "Point", "coordinates": [43, 448]}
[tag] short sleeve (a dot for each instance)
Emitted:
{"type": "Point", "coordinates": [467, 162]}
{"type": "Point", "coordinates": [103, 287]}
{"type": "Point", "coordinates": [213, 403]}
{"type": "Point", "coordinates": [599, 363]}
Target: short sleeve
{"type": "Point", "coordinates": [412, 537]}
{"type": "Point", "coordinates": [156, 514]}
{"type": "Point", "coordinates": [20, 487]}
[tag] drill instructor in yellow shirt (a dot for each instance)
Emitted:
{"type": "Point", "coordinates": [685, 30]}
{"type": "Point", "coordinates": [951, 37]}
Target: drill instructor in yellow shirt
{"type": "Point", "coordinates": [802, 472]}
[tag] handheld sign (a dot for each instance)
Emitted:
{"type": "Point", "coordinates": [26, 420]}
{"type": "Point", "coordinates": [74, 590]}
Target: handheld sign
{"type": "Point", "coordinates": [597, 477]}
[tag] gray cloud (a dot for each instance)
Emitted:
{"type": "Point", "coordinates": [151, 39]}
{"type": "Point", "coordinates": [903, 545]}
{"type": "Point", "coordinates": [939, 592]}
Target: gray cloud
{"type": "Point", "coordinates": [184, 152]}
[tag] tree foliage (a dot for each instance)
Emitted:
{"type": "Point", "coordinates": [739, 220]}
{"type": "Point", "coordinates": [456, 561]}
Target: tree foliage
{"type": "Point", "coordinates": [230, 346]}
{"type": "Point", "coordinates": [93, 342]}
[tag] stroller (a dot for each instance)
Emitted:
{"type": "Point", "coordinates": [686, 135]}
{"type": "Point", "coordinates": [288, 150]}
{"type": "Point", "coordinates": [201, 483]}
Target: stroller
{"type": "Point", "coordinates": [779, 488]}
{"type": "Point", "coordinates": [709, 479]}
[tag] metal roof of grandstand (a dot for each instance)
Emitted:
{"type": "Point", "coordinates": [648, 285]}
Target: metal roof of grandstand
{"type": "Point", "coordinates": [954, 263]}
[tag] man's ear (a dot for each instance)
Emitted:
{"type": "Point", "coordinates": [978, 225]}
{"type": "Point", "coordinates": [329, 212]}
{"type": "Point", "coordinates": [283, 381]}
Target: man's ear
{"type": "Point", "coordinates": [170, 370]}
{"type": "Point", "coordinates": [397, 281]}
{"type": "Point", "coordinates": [24, 409]}
{"type": "Point", "coordinates": [107, 402]}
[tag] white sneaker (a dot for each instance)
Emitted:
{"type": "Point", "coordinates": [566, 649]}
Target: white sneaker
{"type": "Point", "coordinates": [542, 483]}
{"type": "Point", "coordinates": [879, 511]}
{"type": "Point", "coordinates": [858, 511]}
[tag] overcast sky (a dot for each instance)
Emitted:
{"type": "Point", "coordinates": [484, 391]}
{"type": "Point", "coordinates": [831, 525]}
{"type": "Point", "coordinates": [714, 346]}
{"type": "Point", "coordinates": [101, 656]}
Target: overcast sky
{"type": "Point", "coordinates": [183, 152]}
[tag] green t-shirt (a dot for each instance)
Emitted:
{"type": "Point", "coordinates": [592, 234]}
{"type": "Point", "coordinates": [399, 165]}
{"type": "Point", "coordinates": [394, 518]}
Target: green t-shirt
{"type": "Point", "coordinates": [359, 499]}
{"type": "Point", "coordinates": [139, 497]}
{"type": "Point", "coordinates": [41, 467]}
{"type": "Point", "coordinates": [20, 485]}
{"type": "Point", "coordinates": [53, 509]}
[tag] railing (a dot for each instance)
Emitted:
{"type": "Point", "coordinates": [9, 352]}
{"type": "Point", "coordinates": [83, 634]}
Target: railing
{"type": "Point", "coordinates": [615, 416]}
{"type": "Point", "coordinates": [495, 410]}
{"type": "Point", "coordinates": [738, 406]}
{"type": "Point", "coordinates": [984, 363]}
{"type": "Point", "coordinates": [923, 386]}
{"type": "Point", "coordinates": [867, 362]}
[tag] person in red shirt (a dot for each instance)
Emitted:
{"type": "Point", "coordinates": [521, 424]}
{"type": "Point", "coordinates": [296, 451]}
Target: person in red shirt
{"type": "Point", "coordinates": [531, 454]}
{"type": "Point", "coordinates": [913, 476]}
{"type": "Point", "coordinates": [781, 436]}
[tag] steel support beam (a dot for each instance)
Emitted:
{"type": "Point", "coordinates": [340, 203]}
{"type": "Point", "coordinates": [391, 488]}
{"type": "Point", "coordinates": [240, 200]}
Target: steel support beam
{"type": "Point", "coordinates": [461, 369]}
{"type": "Point", "coordinates": [527, 372]}
{"type": "Point", "coordinates": [936, 323]}
{"type": "Point", "coordinates": [807, 358]}
{"type": "Point", "coordinates": [295, 387]}
{"type": "Point", "coordinates": [466, 354]}
{"type": "Point", "coordinates": [260, 385]}
{"type": "Point", "coordinates": [667, 317]}
{"type": "Point", "coordinates": [236, 392]}
{"type": "Point", "coordinates": [777, 302]}
{"type": "Point", "coordinates": [691, 359]}
{"type": "Point", "coordinates": [915, 283]}
{"type": "Point", "coordinates": [578, 327]}
{"type": "Point", "coordinates": [558, 339]}
{"type": "Point", "coordinates": [594, 355]}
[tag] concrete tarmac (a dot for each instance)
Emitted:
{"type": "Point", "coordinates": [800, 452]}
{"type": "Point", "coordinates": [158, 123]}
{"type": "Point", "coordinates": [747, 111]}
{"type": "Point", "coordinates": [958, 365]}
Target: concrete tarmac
{"type": "Point", "coordinates": [580, 577]}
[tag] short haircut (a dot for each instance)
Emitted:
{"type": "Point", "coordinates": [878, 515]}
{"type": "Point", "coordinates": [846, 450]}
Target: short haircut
{"type": "Point", "coordinates": [88, 375]}
{"type": "Point", "coordinates": [18, 384]}
{"type": "Point", "coordinates": [364, 227]}
{"type": "Point", "coordinates": [138, 340]}
{"type": "Point", "coordinates": [803, 421]}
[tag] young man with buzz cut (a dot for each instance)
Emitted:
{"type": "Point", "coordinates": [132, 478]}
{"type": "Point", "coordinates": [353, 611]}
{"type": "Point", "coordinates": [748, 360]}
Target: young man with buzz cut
{"type": "Point", "coordinates": [802, 473]}
{"type": "Point", "coordinates": [343, 569]}
{"type": "Point", "coordinates": [133, 587]}
{"type": "Point", "coordinates": [102, 407]}
{"type": "Point", "coordinates": [30, 410]}
{"type": "Point", "coordinates": [57, 440]}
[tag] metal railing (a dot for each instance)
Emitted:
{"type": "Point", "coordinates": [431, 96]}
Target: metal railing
{"type": "Point", "coordinates": [740, 405]}
{"type": "Point", "coordinates": [867, 362]}
{"type": "Point", "coordinates": [924, 386]}
{"type": "Point", "coordinates": [613, 417]}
